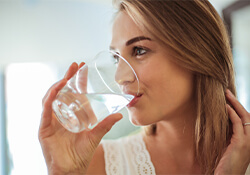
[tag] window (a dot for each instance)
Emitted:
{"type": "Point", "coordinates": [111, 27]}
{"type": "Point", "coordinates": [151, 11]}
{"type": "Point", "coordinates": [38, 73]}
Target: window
{"type": "Point", "coordinates": [26, 84]}
{"type": "Point", "coordinates": [237, 19]}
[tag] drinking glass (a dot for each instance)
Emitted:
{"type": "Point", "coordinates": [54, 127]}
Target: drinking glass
{"type": "Point", "coordinates": [101, 87]}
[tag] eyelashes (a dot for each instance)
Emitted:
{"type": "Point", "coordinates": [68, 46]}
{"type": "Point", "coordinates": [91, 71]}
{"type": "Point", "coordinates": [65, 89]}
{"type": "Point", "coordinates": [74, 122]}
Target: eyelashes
{"type": "Point", "coordinates": [116, 58]}
{"type": "Point", "coordinates": [139, 51]}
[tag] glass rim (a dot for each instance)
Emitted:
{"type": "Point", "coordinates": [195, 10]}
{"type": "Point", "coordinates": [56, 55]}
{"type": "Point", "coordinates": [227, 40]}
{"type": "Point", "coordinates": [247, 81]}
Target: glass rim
{"type": "Point", "coordinates": [114, 53]}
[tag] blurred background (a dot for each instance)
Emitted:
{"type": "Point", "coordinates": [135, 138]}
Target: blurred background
{"type": "Point", "coordinates": [39, 39]}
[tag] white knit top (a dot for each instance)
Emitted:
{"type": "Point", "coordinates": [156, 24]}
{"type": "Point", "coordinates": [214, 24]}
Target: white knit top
{"type": "Point", "coordinates": [127, 156]}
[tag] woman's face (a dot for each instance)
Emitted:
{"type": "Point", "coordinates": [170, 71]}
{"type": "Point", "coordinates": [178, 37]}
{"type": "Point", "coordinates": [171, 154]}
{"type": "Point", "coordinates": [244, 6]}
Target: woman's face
{"type": "Point", "coordinates": [166, 89]}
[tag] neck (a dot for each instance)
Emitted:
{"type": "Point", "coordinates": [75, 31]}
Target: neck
{"type": "Point", "coordinates": [178, 129]}
{"type": "Point", "coordinates": [174, 137]}
{"type": "Point", "coordinates": [177, 134]}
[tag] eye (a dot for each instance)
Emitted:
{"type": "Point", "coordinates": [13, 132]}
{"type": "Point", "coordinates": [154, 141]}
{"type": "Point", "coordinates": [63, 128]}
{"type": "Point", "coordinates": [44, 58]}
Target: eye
{"type": "Point", "coordinates": [116, 58]}
{"type": "Point", "coordinates": [138, 51]}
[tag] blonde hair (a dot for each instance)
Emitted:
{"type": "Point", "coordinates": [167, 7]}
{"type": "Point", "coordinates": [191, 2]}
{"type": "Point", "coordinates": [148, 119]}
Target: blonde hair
{"type": "Point", "coordinates": [197, 35]}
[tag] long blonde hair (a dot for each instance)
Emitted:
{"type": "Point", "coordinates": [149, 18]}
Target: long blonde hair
{"type": "Point", "coordinates": [197, 35]}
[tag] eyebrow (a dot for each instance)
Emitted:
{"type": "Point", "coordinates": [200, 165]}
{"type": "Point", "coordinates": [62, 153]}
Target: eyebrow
{"type": "Point", "coordinates": [133, 40]}
{"type": "Point", "coordinates": [136, 39]}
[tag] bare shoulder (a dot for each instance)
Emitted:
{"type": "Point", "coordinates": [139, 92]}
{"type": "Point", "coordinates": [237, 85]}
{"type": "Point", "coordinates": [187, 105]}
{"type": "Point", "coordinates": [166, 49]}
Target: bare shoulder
{"type": "Point", "coordinates": [97, 164]}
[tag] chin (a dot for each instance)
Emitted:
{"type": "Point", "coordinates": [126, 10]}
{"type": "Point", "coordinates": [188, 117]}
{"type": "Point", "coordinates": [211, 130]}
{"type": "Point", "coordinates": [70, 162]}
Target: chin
{"type": "Point", "coordinates": [139, 119]}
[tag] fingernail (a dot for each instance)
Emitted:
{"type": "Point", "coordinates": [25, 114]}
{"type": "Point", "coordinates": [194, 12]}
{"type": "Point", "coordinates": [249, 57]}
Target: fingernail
{"type": "Point", "coordinates": [81, 64]}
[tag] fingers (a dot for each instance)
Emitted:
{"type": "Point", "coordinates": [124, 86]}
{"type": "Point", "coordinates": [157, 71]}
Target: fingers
{"type": "Point", "coordinates": [236, 121]}
{"type": "Point", "coordinates": [81, 64]}
{"type": "Point", "coordinates": [52, 92]}
{"type": "Point", "coordinates": [71, 71]}
{"type": "Point", "coordinates": [57, 86]}
{"type": "Point", "coordinates": [49, 90]}
{"type": "Point", "coordinates": [104, 126]}
{"type": "Point", "coordinates": [82, 80]}
{"type": "Point", "coordinates": [239, 109]}
{"type": "Point", "coordinates": [47, 103]}
{"type": "Point", "coordinates": [238, 115]}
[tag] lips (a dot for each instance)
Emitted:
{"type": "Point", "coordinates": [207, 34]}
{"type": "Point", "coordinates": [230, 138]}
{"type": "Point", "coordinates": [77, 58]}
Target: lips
{"type": "Point", "coordinates": [135, 100]}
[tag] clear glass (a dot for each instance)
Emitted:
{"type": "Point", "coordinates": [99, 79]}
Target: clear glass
{"type": "Point", "coordinates": [100, 88]}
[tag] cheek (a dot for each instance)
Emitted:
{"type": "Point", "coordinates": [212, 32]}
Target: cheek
{"type": "Point", "coordinates": [178, 96]}
{"type": "Point", "coordinates": [168, 89]}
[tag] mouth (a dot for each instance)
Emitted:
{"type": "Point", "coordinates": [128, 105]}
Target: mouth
{"type": "Point", "coordinates": [135, 100]}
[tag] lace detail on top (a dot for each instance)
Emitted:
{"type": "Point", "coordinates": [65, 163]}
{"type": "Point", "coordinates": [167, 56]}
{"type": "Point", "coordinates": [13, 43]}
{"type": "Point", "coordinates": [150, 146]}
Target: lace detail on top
{"type": "Point", "coordinates": [112, 156]}
{"type": "Point", "coordinates": [127, 156]}
{"type": "Point", "coordinates": [141, 156]}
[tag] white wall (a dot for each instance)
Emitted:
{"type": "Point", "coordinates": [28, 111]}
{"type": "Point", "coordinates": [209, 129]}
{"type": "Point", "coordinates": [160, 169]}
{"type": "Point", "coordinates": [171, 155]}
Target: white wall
{"type": "Point", "coordinates": [53, 31]}
{"type": "Point", "coordinates": [57, 31]}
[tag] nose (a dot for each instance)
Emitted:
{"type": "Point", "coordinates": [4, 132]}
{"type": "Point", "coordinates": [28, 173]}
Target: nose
{"type": "Point", "coordinates": [124, 73]}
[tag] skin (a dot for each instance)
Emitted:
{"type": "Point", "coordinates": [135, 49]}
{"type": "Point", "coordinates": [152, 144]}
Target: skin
{"type": "Point", "coordinates": [167, 99]}
{"type": "Point", "coordinates": [66, 152]}
{"type": "Point", "coordinates": [170, 86]}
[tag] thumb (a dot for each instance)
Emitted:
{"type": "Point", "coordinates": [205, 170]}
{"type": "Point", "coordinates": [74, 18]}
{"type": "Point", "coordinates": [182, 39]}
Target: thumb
{"type": "Point", "coordinates": [105, 125]}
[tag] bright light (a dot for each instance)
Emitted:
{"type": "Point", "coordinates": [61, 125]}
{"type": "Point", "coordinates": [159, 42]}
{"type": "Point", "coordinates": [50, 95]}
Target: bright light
{"type": "Point", "coordinates": [26, 84]}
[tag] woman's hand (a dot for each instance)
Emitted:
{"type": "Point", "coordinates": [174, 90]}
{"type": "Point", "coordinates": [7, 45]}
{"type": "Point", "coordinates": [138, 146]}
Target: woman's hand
{"type": "Point", "coordinates": [236, 158]}
{"type": "Point", "coordinates": [66, 152]}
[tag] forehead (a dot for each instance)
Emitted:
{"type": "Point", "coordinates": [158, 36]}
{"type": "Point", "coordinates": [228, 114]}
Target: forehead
{"type": "Point", "coordinates": [125, 22]}
{"type": "Point", "coordinates": [124, 28]}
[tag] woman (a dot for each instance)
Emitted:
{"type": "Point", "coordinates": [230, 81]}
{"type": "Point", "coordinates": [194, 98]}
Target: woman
{"type": "Point", "coordinates": [194, 124]}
